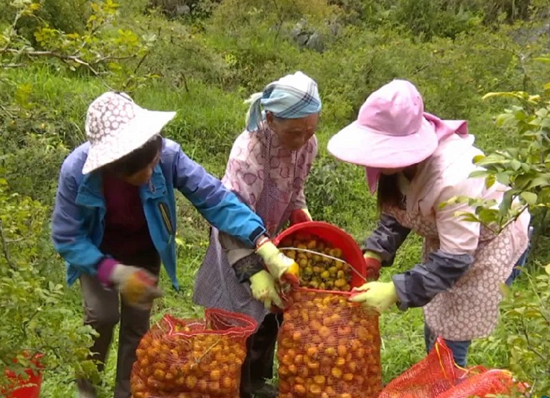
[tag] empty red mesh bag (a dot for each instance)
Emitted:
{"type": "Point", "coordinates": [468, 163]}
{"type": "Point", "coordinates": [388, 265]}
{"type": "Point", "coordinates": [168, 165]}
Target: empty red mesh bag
{"type": "Point", "coordinates": [433, 375]}
{"type": "Point", "coordinates": [494, 381]}
{"type": "Point", "coordinates": [192, 358]}
{"type": "Point", "coordinates": [328, 347]}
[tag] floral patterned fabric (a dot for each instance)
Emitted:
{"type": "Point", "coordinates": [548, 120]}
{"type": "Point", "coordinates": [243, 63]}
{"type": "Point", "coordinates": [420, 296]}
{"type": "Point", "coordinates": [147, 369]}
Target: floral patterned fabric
{"type": "Point", "coordinates": [270, 179]}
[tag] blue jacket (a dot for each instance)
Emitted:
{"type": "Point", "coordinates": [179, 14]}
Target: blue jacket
{"type": "Point", "coordinates": [79, 215]}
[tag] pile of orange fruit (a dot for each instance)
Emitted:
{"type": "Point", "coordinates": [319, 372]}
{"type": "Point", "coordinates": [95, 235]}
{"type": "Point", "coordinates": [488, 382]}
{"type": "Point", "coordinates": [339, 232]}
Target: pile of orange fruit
{"type": "Point", "coordinates": [328, 348]}
{"type": "Point", "coordinates": [186, 364]}
{"type": "Point", "coordinates": [316, 270]}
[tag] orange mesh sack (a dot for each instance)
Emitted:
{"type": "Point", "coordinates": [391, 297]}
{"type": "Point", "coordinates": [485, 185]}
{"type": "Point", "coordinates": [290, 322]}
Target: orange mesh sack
{"type": "Point", "coordinates": [192, 358]}
{"type": "Point", "coordinates": [328, 347]}
{"type": "Point", "coordinates": [433, 375]}
{"type": "Point", "coordinates": [490, 382]}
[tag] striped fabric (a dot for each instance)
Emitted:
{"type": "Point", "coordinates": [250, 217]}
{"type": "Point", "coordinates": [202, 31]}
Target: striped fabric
{"type": "Point", "coordinates": [291, 97]}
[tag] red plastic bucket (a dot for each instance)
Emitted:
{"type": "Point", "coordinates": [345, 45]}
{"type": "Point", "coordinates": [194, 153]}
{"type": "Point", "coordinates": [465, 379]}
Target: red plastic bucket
{"type": "Point", "coordinates": [338, 238]}
{"type": "Point", "coordinates": [20, 387]}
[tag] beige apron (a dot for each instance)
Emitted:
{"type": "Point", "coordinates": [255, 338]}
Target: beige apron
{"type": "Point", "coordinates": [470, 308]}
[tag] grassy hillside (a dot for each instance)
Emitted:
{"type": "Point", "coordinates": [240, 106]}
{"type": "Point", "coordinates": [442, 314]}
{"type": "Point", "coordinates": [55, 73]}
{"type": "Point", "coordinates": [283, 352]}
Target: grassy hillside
{"type": "Point", "coordinates": [207, 61]}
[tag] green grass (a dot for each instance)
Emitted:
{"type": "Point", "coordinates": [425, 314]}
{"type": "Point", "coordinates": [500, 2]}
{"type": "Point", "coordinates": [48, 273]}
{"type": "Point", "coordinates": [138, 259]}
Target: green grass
{"type": "Point", "coordinates": [208, 121]}
{"type": "Point", "coordinates": [451, 75]}
{"type": "Point", "coordinates": [402, 332]}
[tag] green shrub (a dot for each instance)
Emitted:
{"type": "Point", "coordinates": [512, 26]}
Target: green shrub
{"type": "Point", "coordinates": [34, 317]}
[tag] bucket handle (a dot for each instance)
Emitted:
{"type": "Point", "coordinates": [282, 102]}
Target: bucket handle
{"type": "Point", "coordinates": [326, 256]}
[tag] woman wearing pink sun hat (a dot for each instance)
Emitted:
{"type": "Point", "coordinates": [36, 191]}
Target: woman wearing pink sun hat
{"type": "Point", "coordinates": [416, 161]}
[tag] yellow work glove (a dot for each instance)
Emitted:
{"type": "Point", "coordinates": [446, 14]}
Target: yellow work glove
{"type": "Point", "coordinates": [137, 286]}
{"type": "Point", "coordinates": [263, 289]}
{"type": "Point", "coordinates": [375, 296]}
{"type": "Point", "coordinates": [281, 267]}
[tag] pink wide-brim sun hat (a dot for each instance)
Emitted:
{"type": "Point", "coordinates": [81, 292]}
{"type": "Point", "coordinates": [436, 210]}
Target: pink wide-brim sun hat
{"type": "Point", "coordinates": [390, 131]}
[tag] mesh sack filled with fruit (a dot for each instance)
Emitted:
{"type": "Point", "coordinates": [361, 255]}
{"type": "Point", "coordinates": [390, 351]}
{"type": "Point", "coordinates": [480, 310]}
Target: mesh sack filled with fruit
{"type": "Point", "coordinates": [192, 358]}
{"type": "Point", "coordinates": [328, 347]}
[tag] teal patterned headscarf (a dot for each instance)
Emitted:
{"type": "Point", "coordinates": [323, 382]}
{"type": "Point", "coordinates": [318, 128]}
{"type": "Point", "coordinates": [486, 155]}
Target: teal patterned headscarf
{"type": "Point", "coordinates": [291, 97]}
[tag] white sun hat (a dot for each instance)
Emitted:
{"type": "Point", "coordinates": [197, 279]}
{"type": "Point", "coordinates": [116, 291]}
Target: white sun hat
{"type": "Point", "coordinates": [117, 126]}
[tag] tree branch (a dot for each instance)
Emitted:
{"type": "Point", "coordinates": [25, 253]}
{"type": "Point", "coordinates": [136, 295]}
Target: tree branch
{"type": "Point", "coordinates": [5, 248]}
{"type": "Point", "coordinates": [64, 57]}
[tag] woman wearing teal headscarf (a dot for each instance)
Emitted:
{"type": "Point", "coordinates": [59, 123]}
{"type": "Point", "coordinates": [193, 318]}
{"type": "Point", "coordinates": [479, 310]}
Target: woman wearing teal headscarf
{"type": "Point", "coordinates": [267, 168]}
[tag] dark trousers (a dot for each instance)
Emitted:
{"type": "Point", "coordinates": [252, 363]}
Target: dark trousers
{"type": "Point", "coordinates": [103, 310]}
{"type": "Point", "coordinates": [260, 354]}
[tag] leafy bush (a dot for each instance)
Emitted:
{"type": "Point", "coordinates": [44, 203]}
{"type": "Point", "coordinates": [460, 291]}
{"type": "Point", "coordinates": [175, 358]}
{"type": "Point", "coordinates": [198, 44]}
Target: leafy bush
{"type": "Point", "coordinates": [525, 169]}
{"type": "Point", "coordinates": [69, 16]}
{"type": "Point", "coordinates": [34, 319]}
{"type": "Point", "coordinates": [526, 318]}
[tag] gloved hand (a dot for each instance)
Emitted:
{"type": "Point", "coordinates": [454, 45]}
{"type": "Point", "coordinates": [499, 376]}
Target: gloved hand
{"type": "Point", "coordinates": [374, 264]}
{"type": "Point", "coordinates": [137, 286]}
{"type": "Point", "coordinates": [299, 216]}
{"type": "Point", "coordinates": [375, 296]}
{"type": "Point", "coordinates": [263, 289]}
{"type": "Point", "coordinates": [281, 267]}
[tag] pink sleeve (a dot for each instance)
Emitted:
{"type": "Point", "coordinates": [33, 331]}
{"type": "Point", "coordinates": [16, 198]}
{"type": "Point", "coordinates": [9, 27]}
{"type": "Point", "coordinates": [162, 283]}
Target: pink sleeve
{"type": "Point", "coordinates": [310, 153]}
{"type": "Point", "coordinates": [457, 236]}
{"type": "Point", "coordinates": [245, 170]}
{"type": "Point", "coordinates": [104, 271]}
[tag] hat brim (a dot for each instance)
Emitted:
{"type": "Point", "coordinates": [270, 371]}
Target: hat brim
{"type": "Point", "coordinates": [362, 146]}
{"type": "Point", "coordinates": [134, 134]}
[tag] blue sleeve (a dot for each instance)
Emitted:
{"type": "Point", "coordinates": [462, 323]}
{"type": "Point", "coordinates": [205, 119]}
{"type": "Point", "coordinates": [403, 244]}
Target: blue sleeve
{"type": "Point", "coordinates": [219, 206]}
{"type": "Point", "coordinates": [69, 236]}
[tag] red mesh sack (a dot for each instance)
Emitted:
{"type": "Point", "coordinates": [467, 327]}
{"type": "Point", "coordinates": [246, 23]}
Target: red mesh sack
{"type": "Point", "coordinates": [328, 347]}
{"type": "Point", "coordinates": [192, 358]}
{"type": "Point", "coordinates": [437, 376]}
{"type": "Point", "coordinates": [490, 382]}
{"type": "Point", "coordinates": [433, 375]}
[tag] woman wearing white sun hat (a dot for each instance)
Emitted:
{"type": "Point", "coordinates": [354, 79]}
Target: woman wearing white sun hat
{"type": "Point", "coordinates": [417, 161]}
{"type": "Point", "coordinates": [114, 222]}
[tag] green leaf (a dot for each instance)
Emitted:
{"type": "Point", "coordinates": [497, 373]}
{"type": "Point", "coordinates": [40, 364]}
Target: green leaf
{"type": "Point", "coordinates": [478, 158]}
{"type": "Point", "coordinates": [490, 180]}
{"type": "Point", "coordinates": [529, 197]}
{"type": "Point", "coordinates": [506, 202]}
{"type": "Point", "coordinates": [503, 178]}
{"type": "Point", "coordinates": [479, 173]}
{"type": "Point", "coordinates": [466, 216]}
{"type": "Point", "coordinates": [538, 182]}
{"type": "Point", "coordinates": [515, 164]}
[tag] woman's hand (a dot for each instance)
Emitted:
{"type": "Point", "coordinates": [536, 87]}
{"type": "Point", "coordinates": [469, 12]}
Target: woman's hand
{"type": "Point", "coordinates": [263, 289]}
{"type": "Point", "coordinates": [281, 267]}
{"type": "Point", "coordinates": [375, 296]}
{"type": "Point", "coordinates": [374, 264]}
{"type": "Point", "coordinates": [300, 216]}
{"type": "Point", "coordinates": [137, 286]}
